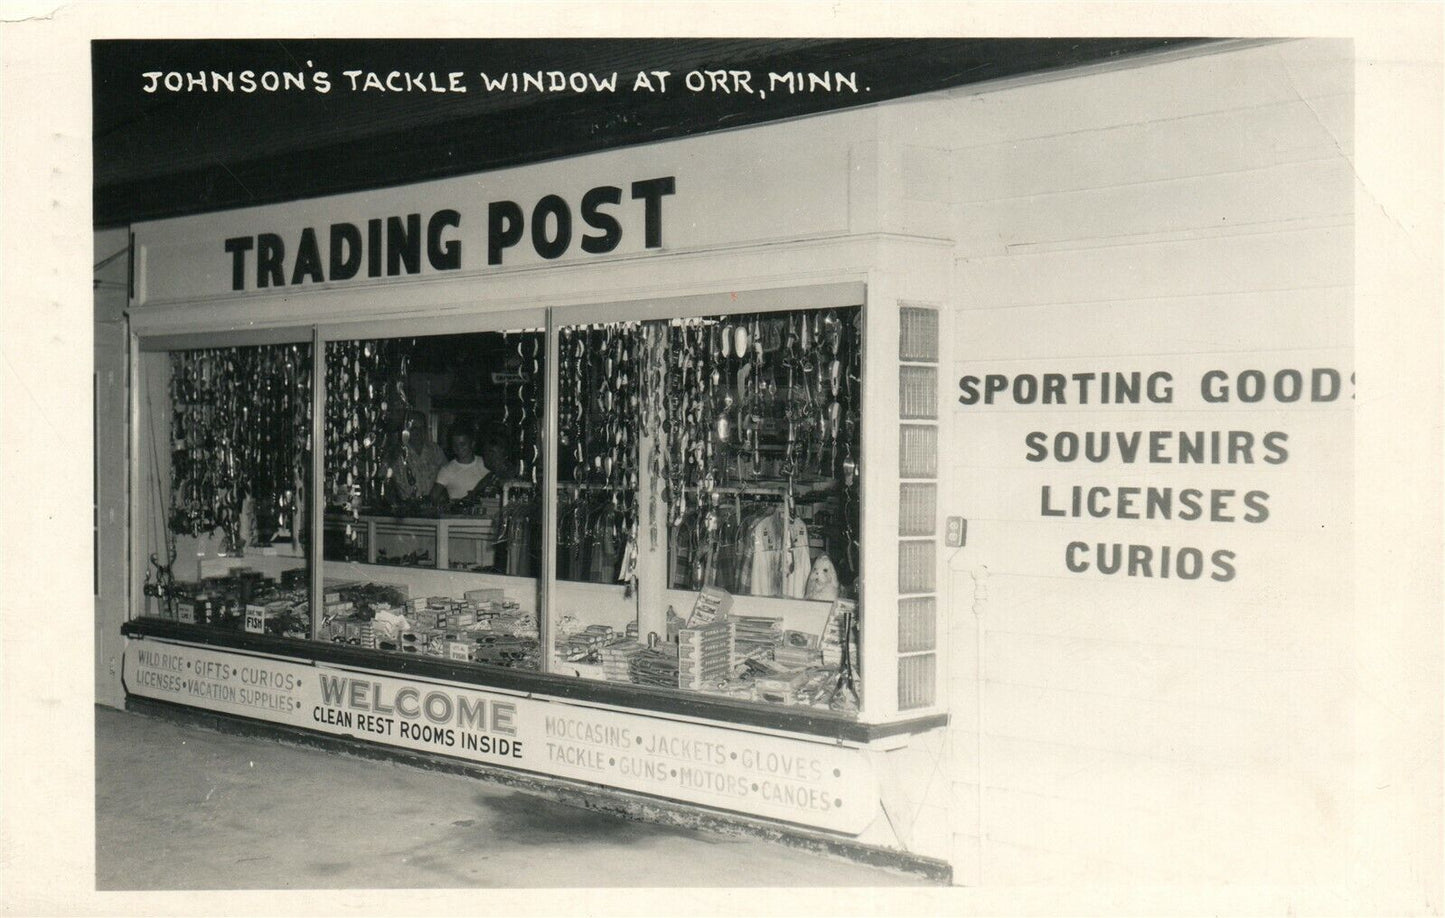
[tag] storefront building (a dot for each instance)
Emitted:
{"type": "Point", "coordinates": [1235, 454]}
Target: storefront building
{"type": "Point", "coordinates": [929, 476]}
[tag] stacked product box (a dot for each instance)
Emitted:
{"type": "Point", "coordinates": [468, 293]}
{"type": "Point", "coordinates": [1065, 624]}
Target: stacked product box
{"type": "Point", "coordinates": [818, 688]}
{"type": "Point", "coordinates": [834, 631]}
{"type": "Point", "coordinates": [798, 650]}
{"type": "Point", "coordinates": [517, 623]}
{"type": "Point", "coordinates": [706, 654]}
{"type": "Point", "coordinates": [224, 599]}
{"type": "Point", "coordinates": [758, 636]}
{"type": "Point", "coordinates": [367, 595]}
{"type": "Point", "coordinates": [462, 618]}
{"type": "Point", "coordinates": [781, 687]}
{"type": "Point", "coordinates": [507, 650]}
{"type": "Point", "coordinates": [427, 641]}
{"type": "Point", "coordinates": [656, 666]}
{"type": "Point", "coordinates": [739, 688]}
{"type": "Point", "coordinates": [584, 645]}
{"type": "Point", "coordinates": [712, 604]}
{"type": "Point", "coordinates": [617, 659]}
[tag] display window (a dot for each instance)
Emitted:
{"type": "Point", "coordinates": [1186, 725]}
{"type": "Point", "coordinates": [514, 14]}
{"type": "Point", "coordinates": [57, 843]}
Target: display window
{"type": "Point", "coordinates": [432, 530]}
{"type": "Point", "coordinates": [710, 465]}
{"type": "Point", "coordinates": [672, 506]}
{"type": "Point", "coordinates": [225, 450]}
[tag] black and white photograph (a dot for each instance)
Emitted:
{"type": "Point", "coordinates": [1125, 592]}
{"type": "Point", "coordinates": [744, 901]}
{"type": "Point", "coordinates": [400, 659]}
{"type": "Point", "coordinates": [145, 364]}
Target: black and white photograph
{"type": "Point", "coordinates": [985, 461]}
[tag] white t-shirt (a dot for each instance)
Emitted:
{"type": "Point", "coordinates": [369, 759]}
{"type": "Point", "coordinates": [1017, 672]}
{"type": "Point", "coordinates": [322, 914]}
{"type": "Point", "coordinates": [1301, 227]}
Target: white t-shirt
{"type": "Point", "coordinates": [459, 478]}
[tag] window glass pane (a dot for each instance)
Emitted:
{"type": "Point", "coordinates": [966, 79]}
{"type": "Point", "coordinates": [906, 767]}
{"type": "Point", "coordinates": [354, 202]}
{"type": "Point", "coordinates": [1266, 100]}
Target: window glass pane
{"type": "Point", "coordinates": [595, 600]}
{"type": "Point", "coordinates": [597, 451]}
{"type": "Point", "coordinates": [226, 459]}
{"type": "Point", "coordinates": [708, 505]}
{"type": "Point", "coordinates": [432, 531]}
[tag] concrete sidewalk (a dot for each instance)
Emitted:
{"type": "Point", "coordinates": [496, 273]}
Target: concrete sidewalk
{"type": "Point", "coordinates": [179, 806]}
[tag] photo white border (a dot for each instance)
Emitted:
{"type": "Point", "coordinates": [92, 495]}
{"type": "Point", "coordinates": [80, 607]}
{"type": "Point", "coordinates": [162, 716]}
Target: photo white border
{"type": "Point", "coordinates": [46, 659]}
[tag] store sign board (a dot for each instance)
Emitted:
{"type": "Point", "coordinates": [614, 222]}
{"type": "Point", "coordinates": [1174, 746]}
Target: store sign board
{"type": "Point", "coordinates": [256, 619]}
{"type": "Point", "coordinates": [1199, 469]}
{"type": "Point", "coordinates": [393, 246]}
{"type": "Point", "coordinates": [682, 195]}
{"type": "Point", "coordinates": [810, 783]}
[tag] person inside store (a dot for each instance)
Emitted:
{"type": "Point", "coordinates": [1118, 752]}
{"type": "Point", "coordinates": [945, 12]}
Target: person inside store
{"type": "Point", "coordinates": [469, 475]}
{"type": "Point", "coordinates": [417, 461]}
{"type": "Point", "coordinates": [493, 448]}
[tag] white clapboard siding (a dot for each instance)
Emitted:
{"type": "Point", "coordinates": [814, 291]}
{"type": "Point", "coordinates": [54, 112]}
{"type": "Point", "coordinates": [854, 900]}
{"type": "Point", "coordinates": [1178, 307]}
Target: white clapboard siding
{"type": "Point", "coordinates": [1310, 319]}
{"type": "Point", "coordinates": [1183, 214]}
{"type": "Point", "coordinates": [1176, 675]}
{"type": "Point", "coordinates": [1189, 734]}
{"type": "Point", "coordinates": [1292, 627]}
{"type": "Point", "coordinates": [1316, 192]}
{"type": "Point", "coordinates": [1100, 842]}
{"type": "Point", "coordinates": [1249, 261]}
{"type": "Point", "coordinates": [1131, 154]}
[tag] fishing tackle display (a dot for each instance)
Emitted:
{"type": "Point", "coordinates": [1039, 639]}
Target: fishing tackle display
{"type": "Point", "coordinates": [240, 429]}
{"type": "Point", "coordinates": [521, 406]}
{"type": "Point", "coordinates": [725, 419]}
{"type": "Point", "coordinates": [364, 381]}
{"type": "Point", "coordinates": [759, 407]}
{"type": "Point", "coordinates": [600, 406]}
{"type": "Point", "coordinates": [369, 400]}
{"type": "Point", "coordinates": [720, 451]}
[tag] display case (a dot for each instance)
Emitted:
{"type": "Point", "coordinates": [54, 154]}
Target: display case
{"type": "Point", "coordinates": [225, 441]}
{"type": "Point", "coordinates": [447, 543]}
{"type": "Point", "coordinates": [425, 438]}
{"type": "Point", "coordinates": [697, 491]}
{"type": "Point", "coordinates": [709, 464]}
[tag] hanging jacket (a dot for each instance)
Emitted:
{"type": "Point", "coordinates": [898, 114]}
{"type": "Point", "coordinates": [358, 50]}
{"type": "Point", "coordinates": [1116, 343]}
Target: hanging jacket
{"type": "Point", "coordinates": [799, 562]}
{"type": "Point", "coordinates": [768, 544]}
